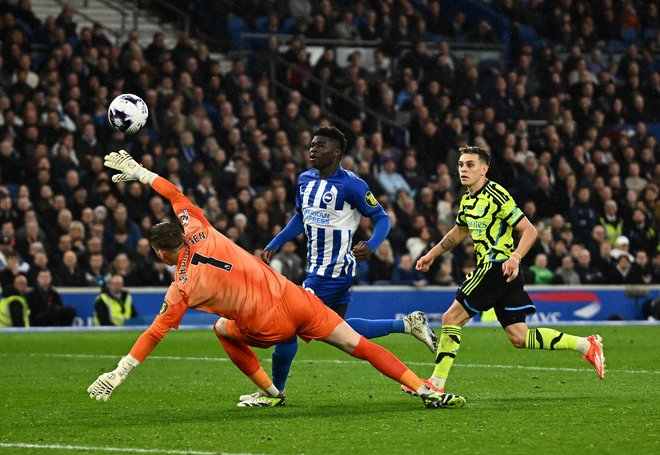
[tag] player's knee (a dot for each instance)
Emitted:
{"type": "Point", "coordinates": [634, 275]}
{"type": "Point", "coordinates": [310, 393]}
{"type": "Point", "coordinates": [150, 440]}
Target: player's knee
{"type": "Point", "coordinates": [220, 327]}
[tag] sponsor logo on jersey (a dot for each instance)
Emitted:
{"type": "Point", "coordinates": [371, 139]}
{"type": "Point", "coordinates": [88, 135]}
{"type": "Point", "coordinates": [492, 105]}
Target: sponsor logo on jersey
{"type": "Point", "coordinates": [163, 308]}
{"type": "Point", "coordinates": [370, 199]}
{"type": "Point", "coordinates": [316, 216]}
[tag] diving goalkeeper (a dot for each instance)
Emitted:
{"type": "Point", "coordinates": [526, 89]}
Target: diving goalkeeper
{"type": "Point", "coordinates": [257, 306]}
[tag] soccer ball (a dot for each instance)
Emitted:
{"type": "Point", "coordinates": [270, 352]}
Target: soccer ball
{"type": "Point", "coordinates": [128, 113]}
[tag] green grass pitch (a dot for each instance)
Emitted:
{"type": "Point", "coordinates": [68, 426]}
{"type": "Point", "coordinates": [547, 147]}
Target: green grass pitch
{"type": "Point", "coordinates": [183, 399]}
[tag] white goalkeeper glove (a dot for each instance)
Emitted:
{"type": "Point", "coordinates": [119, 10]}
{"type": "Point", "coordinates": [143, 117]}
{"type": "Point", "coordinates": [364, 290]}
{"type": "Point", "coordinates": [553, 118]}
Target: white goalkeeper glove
{"type": "Point", "coordinates": [102, 388]}
{"type": "Point", "coordinates": [130, 169]}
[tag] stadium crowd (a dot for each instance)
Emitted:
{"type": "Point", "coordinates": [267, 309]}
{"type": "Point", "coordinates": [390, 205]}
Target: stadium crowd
{"type": "Point", "coordinates": [568, 137]}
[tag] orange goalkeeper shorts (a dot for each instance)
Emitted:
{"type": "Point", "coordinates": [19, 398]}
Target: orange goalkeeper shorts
{"type": "Point", "coordinates": [299, 313]}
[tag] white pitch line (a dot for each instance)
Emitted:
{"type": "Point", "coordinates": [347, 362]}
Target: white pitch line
{"type": "Point", "coordinates": [110, 449]}
{"type": "Point", "coordinates": [331, 361]}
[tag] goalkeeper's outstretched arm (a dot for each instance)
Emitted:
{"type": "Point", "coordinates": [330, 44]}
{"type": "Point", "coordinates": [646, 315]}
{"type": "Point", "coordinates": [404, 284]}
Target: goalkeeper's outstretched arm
{"type": "Point", "coordinates": [130, 170]}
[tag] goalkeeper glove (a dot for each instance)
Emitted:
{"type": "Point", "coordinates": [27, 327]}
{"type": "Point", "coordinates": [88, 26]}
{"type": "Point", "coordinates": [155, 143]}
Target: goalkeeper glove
{"type": "Point", "coordinates": [102, 388]}
{"type": "Point", "coordinates": [130, 169]}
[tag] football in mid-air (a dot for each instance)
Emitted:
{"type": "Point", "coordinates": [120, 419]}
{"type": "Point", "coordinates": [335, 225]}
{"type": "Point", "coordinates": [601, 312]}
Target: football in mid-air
{"type": "Point", "coordinates": [128, 113]}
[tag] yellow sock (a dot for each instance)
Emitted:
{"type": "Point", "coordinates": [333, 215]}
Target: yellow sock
{"type": "Point", "coordinates": [543, 338]}
{"type": "Point", "coordinates": [450, 342]}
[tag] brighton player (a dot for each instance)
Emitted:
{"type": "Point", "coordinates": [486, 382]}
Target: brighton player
{"type": "Point", "coordinates": [258, 306]}
{"type": "Point", "coordinates": [329, 204]}
{"type": "Point", "coordinates": [489, 215]}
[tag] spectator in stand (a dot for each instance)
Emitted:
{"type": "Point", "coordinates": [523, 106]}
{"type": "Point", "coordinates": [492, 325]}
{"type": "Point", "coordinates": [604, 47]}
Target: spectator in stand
{"type": "Point", "coordinates": [114, 305]}
{"type": "Point", "coordinates": [587, 272]}
{"type": "Point", "coordinates": [288, 263]}
{"type": "Point", "coordinates": [381, 264]}
{"type": "Point", "coordinates": [14, 266]}
{"type": "Point", "coordinates": [641, 234]}
{"type": "Point", "coordinates": [611, 221]}
{"type": "Point", "coordinates": [14, 309]}
{"type": "Point", "coordinates": [404, 273]}
{"type": "Point", "coordinates": [46, 308]}
{"type": "Point", "coordinates": [566, 274]}
{"type": "Point", "coordinates": [542, 274]}
{"type": "Point", "coordinates": [583, 215]}
{"type": "Point", "coordinates": [621, 248]}
{"type": "Point", "coordinates": [623, 272]}
{"type": "Point", "coordinates": [644, 267]}
{"type": "Point", "coordinates": [96, 273]}
{"type": "Point", "coordinates": [70, 274]}
{"type": "Point", "coordinates": [420, 244]}
{"type": "Point", "coordinates": [390, 179]}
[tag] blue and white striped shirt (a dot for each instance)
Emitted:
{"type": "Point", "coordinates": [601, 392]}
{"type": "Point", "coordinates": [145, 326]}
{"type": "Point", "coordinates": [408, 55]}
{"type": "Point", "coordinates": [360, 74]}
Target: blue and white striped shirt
{"type": "Point", "coordinates": [331, 209]}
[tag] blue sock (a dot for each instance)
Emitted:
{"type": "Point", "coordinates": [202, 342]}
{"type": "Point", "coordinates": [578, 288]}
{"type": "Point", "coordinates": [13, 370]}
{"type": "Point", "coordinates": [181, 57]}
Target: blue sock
{"type": "Point", "coordinates": [374, 328]}
{"type": "Point", "coordinates": [282, 358]}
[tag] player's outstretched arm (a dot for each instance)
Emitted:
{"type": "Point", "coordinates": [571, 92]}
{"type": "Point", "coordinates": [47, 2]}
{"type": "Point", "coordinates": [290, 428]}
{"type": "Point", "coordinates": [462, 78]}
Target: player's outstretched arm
{"type": "Point", "coordinates": [102, 388]}
{"type": "Point", "coordinates": [454, 237]}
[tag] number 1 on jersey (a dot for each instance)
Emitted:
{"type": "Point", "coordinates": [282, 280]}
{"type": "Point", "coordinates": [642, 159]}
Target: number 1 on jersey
{"type": "Point", "coordinates": [199, 259]}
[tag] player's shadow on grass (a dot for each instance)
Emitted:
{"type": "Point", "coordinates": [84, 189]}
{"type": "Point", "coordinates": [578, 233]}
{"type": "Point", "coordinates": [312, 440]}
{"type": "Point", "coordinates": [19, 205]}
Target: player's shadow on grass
{"type": "Point", "coordinates": [327, 410]}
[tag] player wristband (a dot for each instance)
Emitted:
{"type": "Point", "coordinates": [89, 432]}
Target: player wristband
{"type": "Point", "coordinates": [126, 365]}
{"type": "Point", "coordinates": [145, 176]}
{"type": "Point", "coordinates": [519, 258]}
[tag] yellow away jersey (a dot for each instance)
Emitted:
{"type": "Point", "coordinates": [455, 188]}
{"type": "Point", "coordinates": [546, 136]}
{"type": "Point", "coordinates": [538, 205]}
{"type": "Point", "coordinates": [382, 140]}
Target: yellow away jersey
{"type": "Point", "coordinates": [490, 214]}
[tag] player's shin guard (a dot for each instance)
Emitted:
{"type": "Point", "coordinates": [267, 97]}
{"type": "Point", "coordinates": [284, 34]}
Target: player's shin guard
{"type": "Point", "coordinates": [386, 362]}
{"type": "Point", "coordinates": [551, 339]}
{"type": "Point", "coordinates": [283, 355]}
{"type": "Point", "coordinates": [450, 342]}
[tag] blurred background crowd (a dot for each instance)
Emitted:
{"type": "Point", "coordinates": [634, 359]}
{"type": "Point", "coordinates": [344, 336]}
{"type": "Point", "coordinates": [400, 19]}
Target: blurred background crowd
{"type": "Point", "coordinates": [569, 113]}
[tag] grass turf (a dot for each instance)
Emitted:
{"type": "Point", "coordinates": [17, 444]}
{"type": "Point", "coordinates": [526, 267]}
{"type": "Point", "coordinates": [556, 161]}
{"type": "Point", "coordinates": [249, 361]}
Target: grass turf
{"type": "Point", "coordinates": [184, 398]}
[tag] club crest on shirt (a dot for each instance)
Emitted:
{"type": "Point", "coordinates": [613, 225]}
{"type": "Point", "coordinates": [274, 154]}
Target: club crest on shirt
{"type": "Point", "coordinates": [370, 199]}
{"type": "Point", "coordinates": [163, 308]}
{"type": "Point", "coordinates": [183, 218]}
{"type": "Point", "coordinates": [328, 197]}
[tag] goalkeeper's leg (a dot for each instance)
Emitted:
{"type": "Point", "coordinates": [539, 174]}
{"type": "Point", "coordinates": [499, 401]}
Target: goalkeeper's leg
{"type": "Point", "coordinates": [349, 341]}
{"type": "Point", "coordinates": [243, 357]}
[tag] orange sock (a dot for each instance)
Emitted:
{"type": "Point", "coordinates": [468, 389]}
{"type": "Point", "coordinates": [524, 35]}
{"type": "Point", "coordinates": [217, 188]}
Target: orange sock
{"type": "Point", "coordinates": [261, 379]}
{"type": "Point", "coordinates": [384, 361]}
{"type": "Point", "coordinates": [241, 354]}
{"type": "Point", "coordinates": [411, 380]}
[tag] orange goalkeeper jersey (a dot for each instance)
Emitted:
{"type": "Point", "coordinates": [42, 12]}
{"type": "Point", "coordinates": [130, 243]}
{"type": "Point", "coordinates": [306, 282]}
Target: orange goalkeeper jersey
{"type": "Point", "coordinates": [215, 275]}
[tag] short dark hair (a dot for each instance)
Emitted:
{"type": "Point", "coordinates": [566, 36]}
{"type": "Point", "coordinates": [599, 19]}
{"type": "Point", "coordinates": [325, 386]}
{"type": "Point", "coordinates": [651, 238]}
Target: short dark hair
{"type": "Point", "coordinates": [166, 236]}
{"type": "Point", "coordinates": [484, 155]}
{"type": "Point", "coordinates": [333, 133]}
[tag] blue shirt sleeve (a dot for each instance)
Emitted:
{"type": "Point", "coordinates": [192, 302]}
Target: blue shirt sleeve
{"type": "Point", "coordinates": [292, 229]}
{"type": "Point", "coordinates": [367, 204]}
